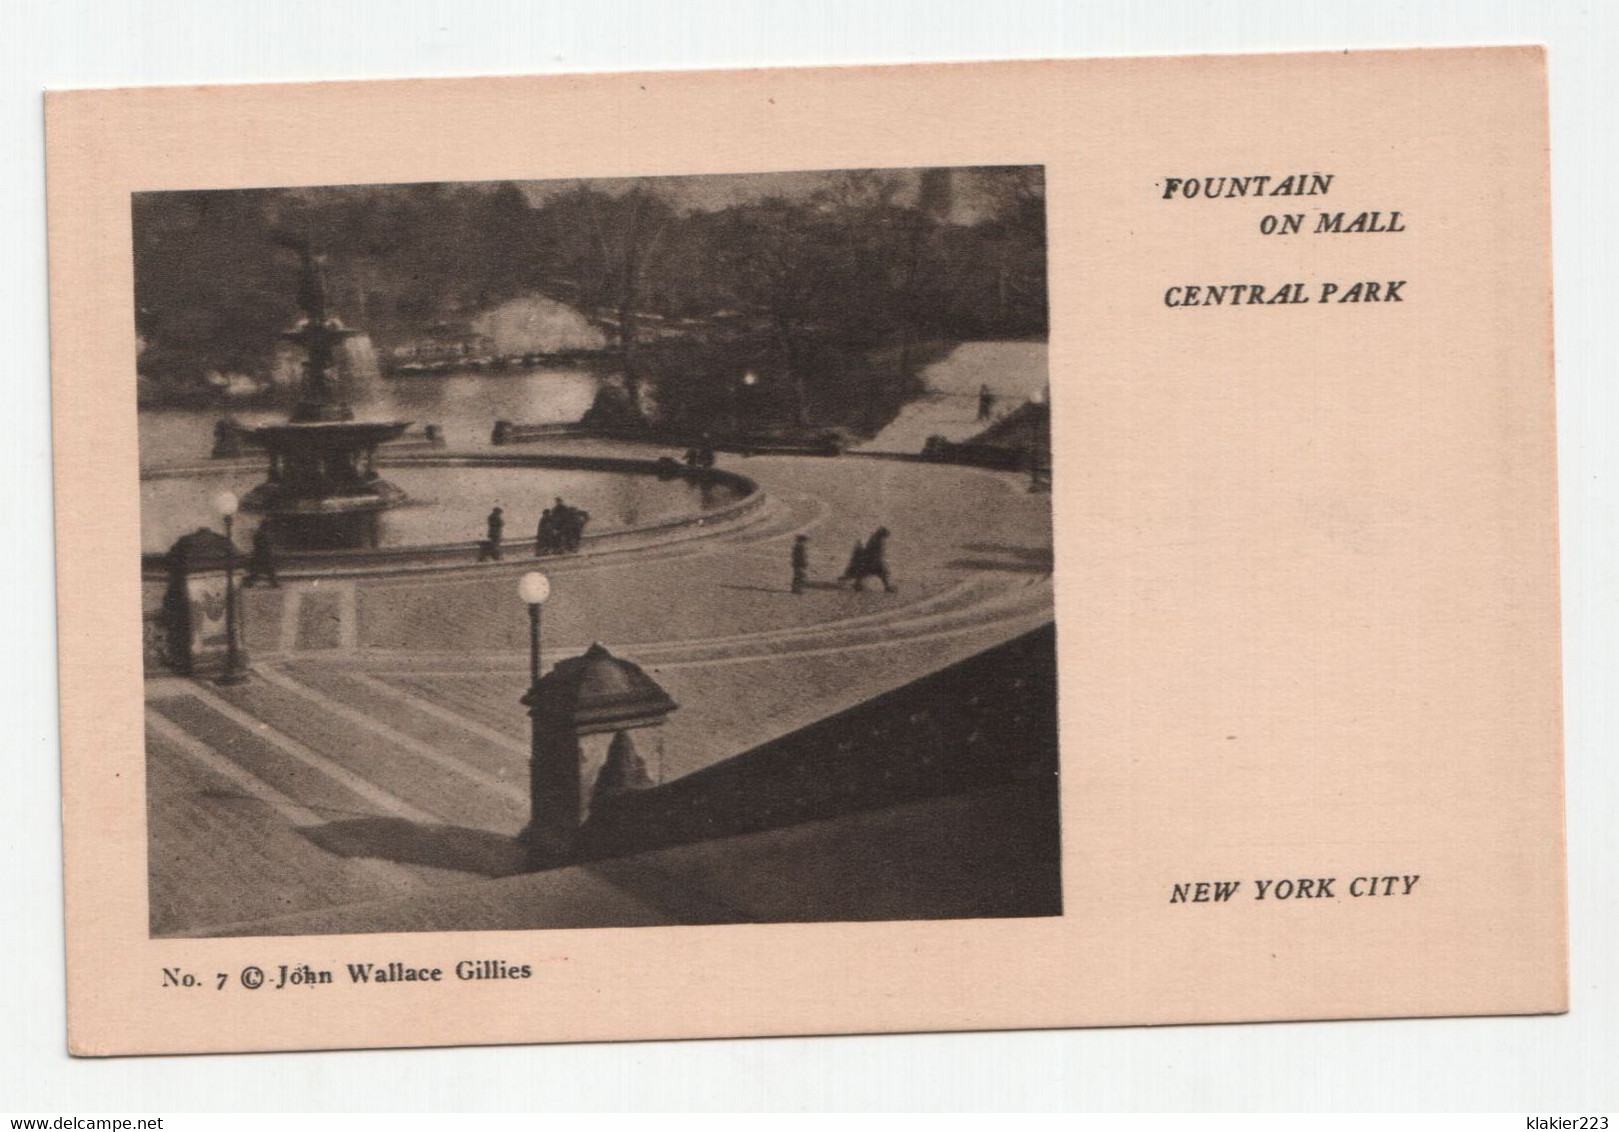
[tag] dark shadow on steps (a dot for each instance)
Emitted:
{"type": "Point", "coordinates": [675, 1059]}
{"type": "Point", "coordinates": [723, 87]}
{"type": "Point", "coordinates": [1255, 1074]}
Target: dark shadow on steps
{"type": "Point", "coordinates": [458, 848]}
{"type": "Point", "coordinates": [1003, 565]}
{"type": "Point", "coordinates": [978, 731]}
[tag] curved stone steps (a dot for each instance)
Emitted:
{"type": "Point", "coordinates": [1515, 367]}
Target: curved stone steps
{"type": "Point", "coordinates": [975, 604]}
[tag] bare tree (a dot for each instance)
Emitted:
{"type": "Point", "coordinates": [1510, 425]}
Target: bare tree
{"type": "Point", "coordinates": [626, 233]}
{"type": "Point", "coordinates": [774, 258]}
{"type": "Point", "coordinates": [1013, 200]}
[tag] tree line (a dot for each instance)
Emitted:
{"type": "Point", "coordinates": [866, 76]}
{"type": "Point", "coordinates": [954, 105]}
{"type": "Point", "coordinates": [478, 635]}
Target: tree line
{"type": "Point", "coordinates": [832, 297]}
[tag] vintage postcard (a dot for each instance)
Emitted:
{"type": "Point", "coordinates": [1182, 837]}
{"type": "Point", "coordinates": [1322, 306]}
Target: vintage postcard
{"type": "Point", "coordinates": [805, 551]}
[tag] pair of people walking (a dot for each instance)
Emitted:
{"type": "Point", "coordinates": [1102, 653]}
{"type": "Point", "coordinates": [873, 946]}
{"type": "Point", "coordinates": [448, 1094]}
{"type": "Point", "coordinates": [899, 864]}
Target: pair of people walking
{"type": "Point", "coordinates": [868, 560]}
{"type": "Point", "coordinates": [561, 529]}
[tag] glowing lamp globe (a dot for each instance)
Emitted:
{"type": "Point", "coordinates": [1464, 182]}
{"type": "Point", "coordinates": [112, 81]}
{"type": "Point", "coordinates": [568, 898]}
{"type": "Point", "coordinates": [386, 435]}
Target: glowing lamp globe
{"type": "Point", "coordinates": [534, 587]}
{"type": "Point", "coordinates": [226, 503]}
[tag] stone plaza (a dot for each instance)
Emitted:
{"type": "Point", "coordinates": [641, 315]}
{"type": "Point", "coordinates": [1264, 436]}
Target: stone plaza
{"type": "Point", "coordinates": [374, 772]}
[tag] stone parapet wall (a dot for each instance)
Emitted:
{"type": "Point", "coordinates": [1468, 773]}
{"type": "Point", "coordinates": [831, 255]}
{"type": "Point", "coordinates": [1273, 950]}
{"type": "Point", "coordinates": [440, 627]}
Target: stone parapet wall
{"type": "Point", "coordinates": [370, 560]}
{"type": "Point", "coordinates": [983, 723]}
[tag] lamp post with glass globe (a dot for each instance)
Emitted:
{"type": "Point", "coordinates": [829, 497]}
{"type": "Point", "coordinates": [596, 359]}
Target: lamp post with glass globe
{"type": "Point", "coordinates": [235, 671]}
{"type": "Point", "coordinates": [534, 587]}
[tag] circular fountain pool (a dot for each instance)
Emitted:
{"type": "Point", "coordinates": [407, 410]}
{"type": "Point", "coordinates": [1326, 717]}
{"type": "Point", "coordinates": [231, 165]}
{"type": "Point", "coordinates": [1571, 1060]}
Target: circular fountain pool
{"type": "Point", "coordinates": [450, 498]}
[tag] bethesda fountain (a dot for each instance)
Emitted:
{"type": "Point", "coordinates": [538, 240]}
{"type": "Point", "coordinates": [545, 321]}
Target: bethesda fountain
{"type": "Point", "coordinates": [323, 504]}
{"type": "Point", "coordinates": [323, 490]}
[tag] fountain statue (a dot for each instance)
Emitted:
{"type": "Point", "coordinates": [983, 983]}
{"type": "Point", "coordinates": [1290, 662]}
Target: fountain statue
{"type": "Point", "coordinates": [323, 490]}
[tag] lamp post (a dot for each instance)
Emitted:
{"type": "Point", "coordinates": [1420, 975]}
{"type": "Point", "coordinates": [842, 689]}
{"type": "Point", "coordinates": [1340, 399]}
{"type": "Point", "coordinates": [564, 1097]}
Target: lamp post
{"type": "Point", "coordinates": [534, 587]}
{"type": "Point", "coordinates": [235, 671]}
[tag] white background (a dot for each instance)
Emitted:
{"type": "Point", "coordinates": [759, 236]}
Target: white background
{"type": "Point", "coordinates": [1567, 1064]}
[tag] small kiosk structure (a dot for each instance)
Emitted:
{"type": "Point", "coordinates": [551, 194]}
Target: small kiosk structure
{"type": "Point", "coordinates": [196, 605]}
{"type": "Point", "coordinates": [596, 733]}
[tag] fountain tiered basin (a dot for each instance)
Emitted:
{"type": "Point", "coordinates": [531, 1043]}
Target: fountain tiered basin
{"type": "Point", "coordinates": [324, 504]}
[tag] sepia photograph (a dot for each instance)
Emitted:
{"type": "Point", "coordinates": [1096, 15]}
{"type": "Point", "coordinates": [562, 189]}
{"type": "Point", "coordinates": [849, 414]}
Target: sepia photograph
{"type": "Point", "coordinates": [597, 553]}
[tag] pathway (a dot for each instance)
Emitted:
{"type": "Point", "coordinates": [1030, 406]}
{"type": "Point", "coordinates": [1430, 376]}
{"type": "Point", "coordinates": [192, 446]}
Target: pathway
{"type": "Point", "coordinates": [1014, 372]}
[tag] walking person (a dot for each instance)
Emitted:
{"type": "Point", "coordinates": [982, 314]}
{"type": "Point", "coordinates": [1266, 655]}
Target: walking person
{"type": "Point", "coordinates": [874, 561]}
{"type": "Point", "coordinates": [857, 558]}
{"type": "Point", "coordinates": [569, 525]}
{"type": "Point", "coordinates": [497, 527]}
{"type": "Point", "coordinates": [561, 526]}
{"type": "Point", "coordinates": [1039, 467]}
{"type": "Point", "coordinates": [562, 520]}
{"type": "Point", "coordinates": [800, 563]}
{"type": "Point", "coordinates": [986, 403]}
{"type": "Point", "coordinates": [545, 537]}
{"type": "Point", "coordinates": [577, 518]}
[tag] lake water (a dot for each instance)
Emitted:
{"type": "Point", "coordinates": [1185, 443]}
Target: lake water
{"type": "Point", "coordinates": [465, 404]}
{"type": "Point", "coordinates": [447, 504]}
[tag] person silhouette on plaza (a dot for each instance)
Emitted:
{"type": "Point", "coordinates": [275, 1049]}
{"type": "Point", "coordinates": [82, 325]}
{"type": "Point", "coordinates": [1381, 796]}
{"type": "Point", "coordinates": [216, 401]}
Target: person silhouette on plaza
{"type": "Point", "coordinates": [497, 527]}
{"type": "Point", "coordinates": [1038, 465]}
{"type": "Point", "coordinates": [545, 538]}
{"type": "Point", "coordinates": [261, 562]}
{"type": "Point", "coordinates": [562, 526]}
{"type": "Point", "coordinates": [800, 563]}
{"type": "Point", "coordinates": [857, 558]}
{"type": "Point", "coordinates": [569, 526]}
{"type": "Point", "coordinates": [577, 518]}
{"type": "Point", "coordinates": [870, 560]}
{"type": "Point", "coordinates": [876, 565]}
{"type": "Point", "coordinates": [986, 403]}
